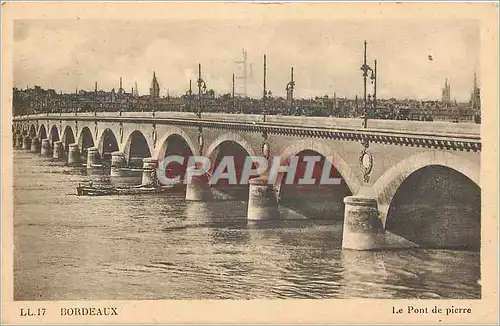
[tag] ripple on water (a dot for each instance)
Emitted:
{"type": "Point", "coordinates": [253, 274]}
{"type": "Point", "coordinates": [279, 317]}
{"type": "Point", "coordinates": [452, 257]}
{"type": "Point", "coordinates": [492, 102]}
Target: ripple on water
{"type": "Point", "coordinates": [162, 247]}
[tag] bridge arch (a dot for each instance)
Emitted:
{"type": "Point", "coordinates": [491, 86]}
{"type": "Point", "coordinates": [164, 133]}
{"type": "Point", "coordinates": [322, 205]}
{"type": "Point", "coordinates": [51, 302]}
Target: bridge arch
{"type": "Point", "coordinates": [433, 199]}
{"type": "Point", "coordinates": [53, 135]}
{"type": "Point", "coordinates": [230, 144]}
{"type": "Point", "coordinates": [339, 163]}
{"type": "Point", "coordinates": [107, 144]}
{"type": "Point", "coordinates": [32, 131]}
{"type": "Point", "coordinates": [229, 137]}
{"type": "Point", "coordinates": [387, 185]}
{"type": "Point", "coordinates": [136, 148]}
{"type": "Point", "coordinates": [42, 132]}
{"type": "Point", "coordinates": [315, 200]}
{"type": "Point", "coordinates": [437, 206]}
{"type": "Point", "coordinates": [85, 141]}
{"type": "Point", "coordinates": [176, 142]}
{"type": "Point", "coordinates": [179, 135]}
{"type": "Point", "coordinates": [68, 137]}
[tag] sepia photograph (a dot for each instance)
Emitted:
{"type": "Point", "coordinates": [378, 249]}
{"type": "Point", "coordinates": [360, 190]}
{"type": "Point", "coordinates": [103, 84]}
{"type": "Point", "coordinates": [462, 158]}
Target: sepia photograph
{"type": "Point", "coordinates": [247, 156]}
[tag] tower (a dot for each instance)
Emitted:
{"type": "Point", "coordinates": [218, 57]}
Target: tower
{"type": "Point", "coordinates": [446, 93]}
{"type": "Point", "coordinates": [121, 90]}
{"type": "Point", "coordinates": [154, 90]}
{"type": "Point", "coordinates": [475, 97]}
{"type": "Point", "coordinates": [136, 91]}
{"type": "Point", "coordinates": [244, 77]}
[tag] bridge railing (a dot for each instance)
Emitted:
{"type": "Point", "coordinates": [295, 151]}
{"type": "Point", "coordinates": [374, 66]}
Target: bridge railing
{"type": "Point", "coordinates": [444, 127]}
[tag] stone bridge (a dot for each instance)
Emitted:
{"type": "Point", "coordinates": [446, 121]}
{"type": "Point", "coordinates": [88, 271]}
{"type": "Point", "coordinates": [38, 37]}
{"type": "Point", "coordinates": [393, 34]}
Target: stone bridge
{"type": "Point", "coordinates": [404, 183]}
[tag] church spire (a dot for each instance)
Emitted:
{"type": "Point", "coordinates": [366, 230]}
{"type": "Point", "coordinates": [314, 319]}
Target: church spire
{"type": "Point", "coordinates": [121, 90]}
{"type": "Point", "coordinates": [446, 92]}
{"type": "Point", "coordinates": [154, 90]}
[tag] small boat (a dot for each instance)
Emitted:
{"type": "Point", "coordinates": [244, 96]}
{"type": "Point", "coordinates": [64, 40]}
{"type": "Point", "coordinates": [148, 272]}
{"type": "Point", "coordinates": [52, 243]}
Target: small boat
{"type": "Point", "coordinates": [90, 190]}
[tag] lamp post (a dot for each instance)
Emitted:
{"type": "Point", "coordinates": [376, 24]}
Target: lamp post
{"type": "Point", "coordinates": [374, 81]}
{"type": "Point", "coordinates": [365, 69]}
{"type": "Point", "coordinates": [289, 88]}
{"type": "Point", "coordinates": [234, 104]}
{"type": "Point", "coordinates": [189, 95]}
{"type": "Point", "coordinates": [265, 92]}
{"type": "Point", "coordinates": [202, 88]}
{"type": "Point", "coordinates": [76, 106]}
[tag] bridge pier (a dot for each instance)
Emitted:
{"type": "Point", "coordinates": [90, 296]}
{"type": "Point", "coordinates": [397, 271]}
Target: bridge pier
{"type": "Point", "coordinates": [35, 145]}
{"type": "Point", "coordinates": [45, 148]}
{"type": "Point", "coordinates": [396, 161]}
{"type": "Point", "coordinates": [118, 160]}
{"type": "Point", "coordinates": [362, 226]}
{"type": "Point", "coordinates": [197, 187]}
{"type": "Point", "coordinates": [120, 175]}
{"type": "Point", "coordinates": [262, 202]}
{"type": "Point", "coordinates": [149, 165]}
{"type": "Point", "coordinates": [26, 143]}
{"type": "Point", "coordinates": [92, 157]}
{"type": "Point", "coordinates": [19, 141]}
{"type": "Point", "coordinates": [73, 154]}
{"type": "Point", "coordinates": [58, 150]}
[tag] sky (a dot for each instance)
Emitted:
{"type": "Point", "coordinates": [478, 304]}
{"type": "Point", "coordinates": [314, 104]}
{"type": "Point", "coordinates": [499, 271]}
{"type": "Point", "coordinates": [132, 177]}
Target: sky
{"type": "Point", "coordinates": [326, 55]}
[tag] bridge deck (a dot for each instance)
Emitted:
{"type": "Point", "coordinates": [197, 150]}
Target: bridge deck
{"type": "Point", "coordinates": [328, 127]}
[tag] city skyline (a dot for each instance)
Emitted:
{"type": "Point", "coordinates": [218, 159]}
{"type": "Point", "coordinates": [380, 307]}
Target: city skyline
{"type": "Point", "coordinates": [146, 94]}
{"type": "Point", "coordinates": [76, 54]}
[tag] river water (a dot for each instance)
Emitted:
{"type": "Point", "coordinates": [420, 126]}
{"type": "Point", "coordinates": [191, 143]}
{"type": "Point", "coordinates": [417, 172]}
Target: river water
{"type": "Point", "coordinates": [162, 247]}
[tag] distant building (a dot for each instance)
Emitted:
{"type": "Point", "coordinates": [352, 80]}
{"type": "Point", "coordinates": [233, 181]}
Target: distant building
{"type": "Point", "coordinates": [135, 92]}
{"type": "Point", "coordinates": [121, 91]}
{"type": "Point", "coordinates": [39, 100]}
{"type": "Point", "coordinates": [154, 90]}
{"type": "Point", "coordinates": [475, 96]}
{"type": "Point", "coordinates": [446, 93]}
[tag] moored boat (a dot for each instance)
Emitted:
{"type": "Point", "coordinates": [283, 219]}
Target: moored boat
{"type": "Point", "coordinates": [90, 190]}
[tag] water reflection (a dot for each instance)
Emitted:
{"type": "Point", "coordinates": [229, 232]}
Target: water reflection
{"type": "Point", "coordinates": [419, 273]}
{"type": "Point", "coordinates": [313, 265]}
{"type": "Point", "coordinates": [230, 236]}
{"type": "Point", "coordinates": [364, 275]}
{"type": "Point", "coordinates": [70, 247]}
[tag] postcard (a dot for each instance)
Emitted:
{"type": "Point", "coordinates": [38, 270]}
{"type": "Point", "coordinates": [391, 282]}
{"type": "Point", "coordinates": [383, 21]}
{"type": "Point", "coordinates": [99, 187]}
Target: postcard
{"type": "Point", "coordinates": [249, 163]}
